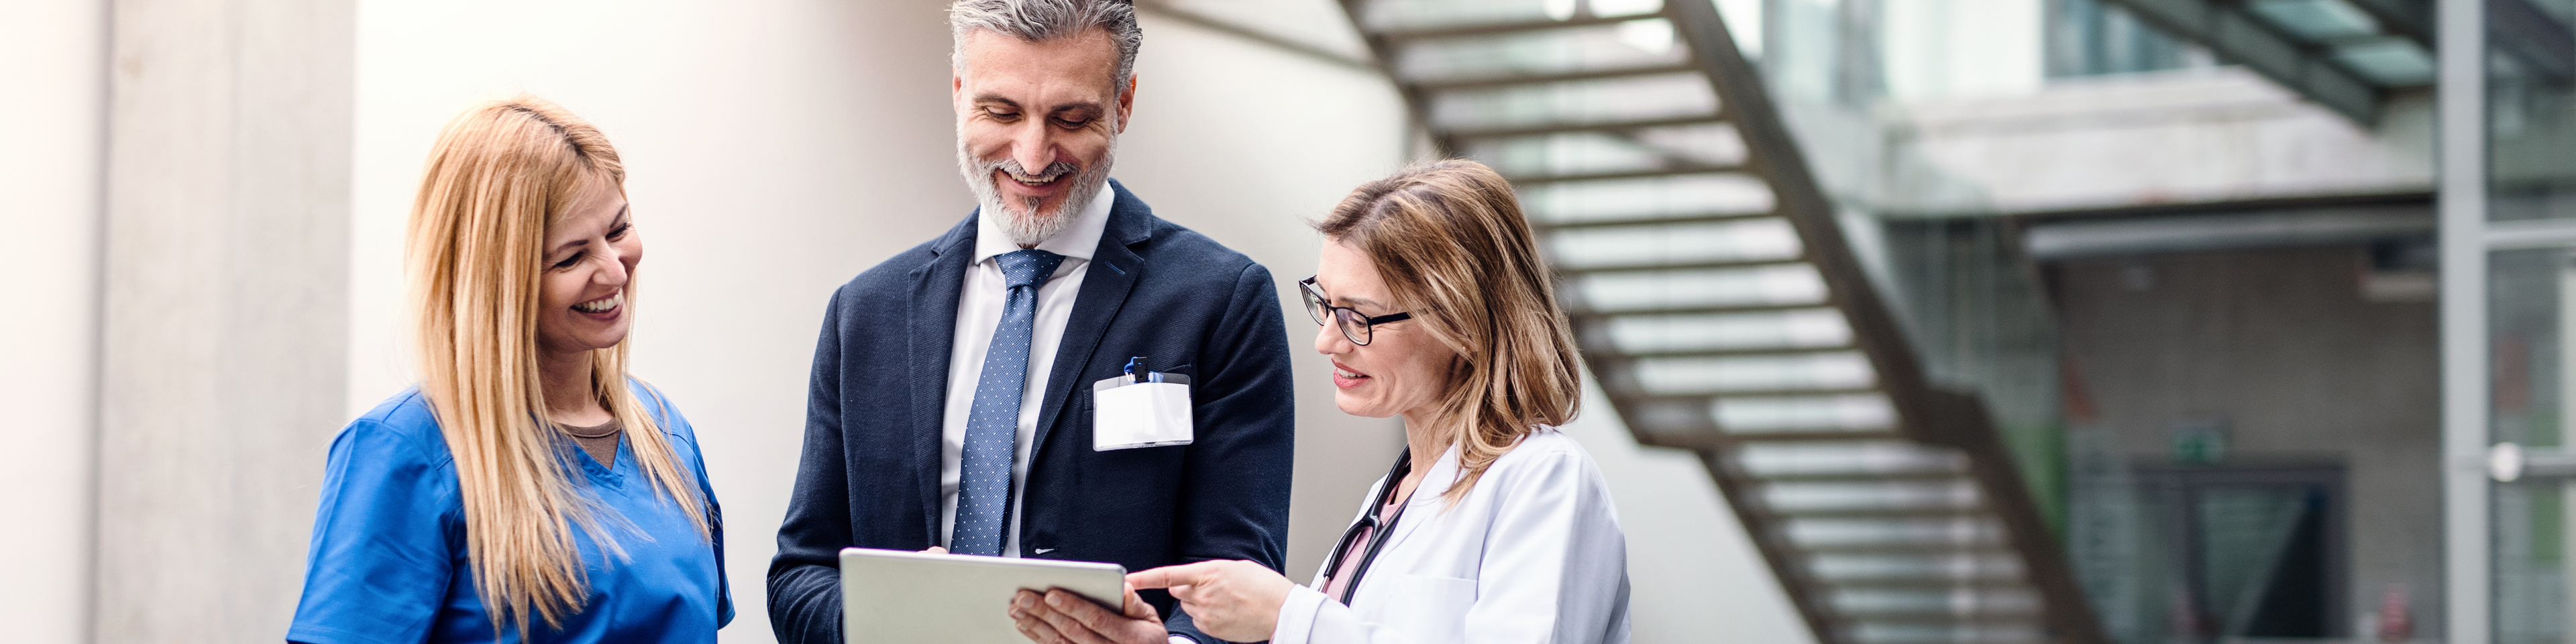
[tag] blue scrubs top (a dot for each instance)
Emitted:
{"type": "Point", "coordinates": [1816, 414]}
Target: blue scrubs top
{"type": "Point", "coordinates": [389, 566]}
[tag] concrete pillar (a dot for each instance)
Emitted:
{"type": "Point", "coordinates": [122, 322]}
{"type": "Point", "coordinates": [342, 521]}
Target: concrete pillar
{"type": "Point", "coordinates": [225, 311]}
{"type": "Point", "coordinates": [53, 59]}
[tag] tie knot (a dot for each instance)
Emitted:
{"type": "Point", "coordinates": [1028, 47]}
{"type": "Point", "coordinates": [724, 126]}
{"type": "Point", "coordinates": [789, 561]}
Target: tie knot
{"type": "Point", "coordinates": [1029, 267]}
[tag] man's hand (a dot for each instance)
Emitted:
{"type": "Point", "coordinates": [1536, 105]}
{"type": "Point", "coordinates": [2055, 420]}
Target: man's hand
{"type": "Point", "coordinates": [1235, 601]}
{"type": "Point", "coordinates": [1061, 617]}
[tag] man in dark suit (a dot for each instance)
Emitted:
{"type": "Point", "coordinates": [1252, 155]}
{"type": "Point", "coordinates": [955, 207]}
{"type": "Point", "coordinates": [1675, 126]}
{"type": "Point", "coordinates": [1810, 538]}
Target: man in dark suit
{"type": "Point", "coordinates": [951, 403]}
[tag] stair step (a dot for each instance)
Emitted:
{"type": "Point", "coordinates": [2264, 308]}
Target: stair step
{"type": "Point", "coordinates": [1942, 601]}
{"type": "Point", "coordinates": [1821, 535]}
{"type": "Point", "coordinates": [1653, 334]}
{"type": "Point", "coordinates": [1743, 352]}
{"type": "Point", "coordinates": [1927, 548]}
{"type": "Point", "coordinates": [1856, 476]}
{"type": "Point", "coordinates": [1533, 179]}
{"type": "Point", "coordinates": [1854, 459]}
{"type": "Point", "coordinates": [2024, 616]}
{"type": "Point", "coordinates": [1695, 310]}
{"type": "Point", "coordinates": [1707, 218]}
{"type": "Point", "coordinates": [1881, 512]}
{"type": "Point", "coordinates": [1818, 435]}
{"type": "Point", "coordinates": [1925, 568]}
{"type": "Point", "coordinates": [2023, 632]}
{"type": "Point", "coordinates": [1586, 126]}
{"type": "Point", "coordinates": [1889, 583]}
{"type": "Point", "coordinates": [1691, 266]}
{"type": "Point", "coordinates": [1400, 34]}
{"type": "Point", "coordinates": [1483, 82]}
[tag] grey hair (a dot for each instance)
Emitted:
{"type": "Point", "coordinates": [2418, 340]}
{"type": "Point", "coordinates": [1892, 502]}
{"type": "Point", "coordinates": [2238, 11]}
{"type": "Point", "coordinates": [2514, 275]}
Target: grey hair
{"type": "Point", "coordinates": [1044, 20]}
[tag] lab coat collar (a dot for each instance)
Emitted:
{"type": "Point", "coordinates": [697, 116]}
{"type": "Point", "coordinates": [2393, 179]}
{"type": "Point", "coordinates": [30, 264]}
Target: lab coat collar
{"type": "Point", "coordinates": [1426, 504]}
{"type": "Point", "coordinates": [1077, 241]}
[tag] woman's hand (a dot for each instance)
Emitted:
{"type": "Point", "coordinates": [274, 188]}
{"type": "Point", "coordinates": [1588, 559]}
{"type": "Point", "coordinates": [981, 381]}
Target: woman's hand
{"type": "Point", "coordinates": [1235, 601]}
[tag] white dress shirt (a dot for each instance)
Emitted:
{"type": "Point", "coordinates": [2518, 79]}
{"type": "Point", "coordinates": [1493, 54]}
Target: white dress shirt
{"type": "Point", "coordinates": [979, 311]}
{"type": "Point", "coordinates": [1532, 555]}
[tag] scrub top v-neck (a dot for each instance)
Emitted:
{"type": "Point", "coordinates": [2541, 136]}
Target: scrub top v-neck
{"type": "Point", "coordinates": [388, 563]}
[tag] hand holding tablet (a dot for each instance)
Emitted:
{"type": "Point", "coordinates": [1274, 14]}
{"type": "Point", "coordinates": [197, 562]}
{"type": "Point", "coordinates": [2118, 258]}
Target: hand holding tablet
{"type": "Point", "coordinates": [907, 597]}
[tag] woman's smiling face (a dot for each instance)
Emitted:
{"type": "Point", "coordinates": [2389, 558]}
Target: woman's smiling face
{"type": "Point", "coordinates": [1403, 370]}
{"type": "Point", "coordinates": [590, 257]}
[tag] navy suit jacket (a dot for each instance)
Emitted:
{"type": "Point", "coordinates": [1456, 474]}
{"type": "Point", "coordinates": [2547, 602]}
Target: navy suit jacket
{"type": "Point", "coordinates": [870, 472]}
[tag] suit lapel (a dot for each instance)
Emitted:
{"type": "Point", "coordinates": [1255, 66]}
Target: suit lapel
{"type": "Point", "coordinates": [1113, 272]}
{"type": "Point", "coordinates": [933, 327]}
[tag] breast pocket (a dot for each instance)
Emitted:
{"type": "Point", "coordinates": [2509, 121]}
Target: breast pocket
{"type": "Point", "coordinates": [1431, 610]}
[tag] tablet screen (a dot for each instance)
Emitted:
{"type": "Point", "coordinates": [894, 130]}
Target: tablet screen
{"type": "Point", "coordinates": [905, 597]}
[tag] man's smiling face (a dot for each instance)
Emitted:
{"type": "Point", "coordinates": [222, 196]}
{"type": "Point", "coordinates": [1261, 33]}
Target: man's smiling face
{"type": "Point", "coordinates": [1037, 125]}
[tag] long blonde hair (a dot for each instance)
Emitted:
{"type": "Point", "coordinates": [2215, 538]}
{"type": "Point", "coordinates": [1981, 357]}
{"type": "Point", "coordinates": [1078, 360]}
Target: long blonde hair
{"type": "Point", "coordinates": [499, 175]}
{"type": "Point", "coordinates": [1450, 242]}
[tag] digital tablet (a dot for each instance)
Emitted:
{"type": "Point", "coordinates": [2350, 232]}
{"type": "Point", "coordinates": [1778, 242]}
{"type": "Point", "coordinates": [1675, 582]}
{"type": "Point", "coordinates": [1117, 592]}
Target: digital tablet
{"type": "Point", "coordinates": [905, 597]}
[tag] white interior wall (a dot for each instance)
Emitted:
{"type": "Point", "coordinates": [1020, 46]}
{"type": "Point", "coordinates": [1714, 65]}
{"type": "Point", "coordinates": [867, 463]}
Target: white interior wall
{"type": "Point", "coordinates": [51, 142]}
{"type": "Point", "coordinates": [774, 149]}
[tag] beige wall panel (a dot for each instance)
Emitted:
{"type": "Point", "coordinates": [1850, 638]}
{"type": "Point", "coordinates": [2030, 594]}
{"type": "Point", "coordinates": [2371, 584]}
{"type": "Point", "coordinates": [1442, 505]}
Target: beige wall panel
{"type": "Point", "coordinates": [226, 269]}
{"type": "Point", "coordinates": [53, 58]}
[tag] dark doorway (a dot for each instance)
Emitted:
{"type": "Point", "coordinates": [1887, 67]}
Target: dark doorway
{"type": "Point", "coordinates": [2258, 547]}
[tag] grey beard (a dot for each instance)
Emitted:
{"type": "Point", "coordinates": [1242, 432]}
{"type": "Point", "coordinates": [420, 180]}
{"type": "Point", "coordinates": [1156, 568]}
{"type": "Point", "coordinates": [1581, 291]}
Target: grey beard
{"type": "Point", "coordinates": [1025, 225]}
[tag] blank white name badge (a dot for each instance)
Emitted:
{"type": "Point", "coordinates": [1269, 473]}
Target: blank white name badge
{"type": "Point", "coordinates": [1126, 414]}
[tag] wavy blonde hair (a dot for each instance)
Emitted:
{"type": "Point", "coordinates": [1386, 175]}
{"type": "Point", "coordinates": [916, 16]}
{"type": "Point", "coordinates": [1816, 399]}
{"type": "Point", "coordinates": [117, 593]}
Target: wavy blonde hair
{"type": "Point", "coordinates": [1449, 239]}
{"type": "Point", "coordinates": [500, 174]}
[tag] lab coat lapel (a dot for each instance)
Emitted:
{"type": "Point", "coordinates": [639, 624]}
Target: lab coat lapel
{"type": "Point", "coordinates": [935, 286]}
{"type": "Point", "coordinates": [1425, 505]}
{"type": "Point", "coordinates": [1113, 273]}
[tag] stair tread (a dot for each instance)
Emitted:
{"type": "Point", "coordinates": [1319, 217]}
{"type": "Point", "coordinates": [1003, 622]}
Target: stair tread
{"type": "Point", "coordinates": [1611, 125]}
{"type": "Point", "coordinates": [1483, 81]}
{"type": "Point", "coordinates": [1711, 218]}
{"type": "Point", "coordinates": [1496, 28]}
{"type": "Point", "coordinates": [1679, 171]}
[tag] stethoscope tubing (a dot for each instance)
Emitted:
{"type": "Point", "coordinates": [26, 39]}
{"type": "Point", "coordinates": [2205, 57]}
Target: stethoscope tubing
{"type": "Point", "coordinates": [1382, 528]}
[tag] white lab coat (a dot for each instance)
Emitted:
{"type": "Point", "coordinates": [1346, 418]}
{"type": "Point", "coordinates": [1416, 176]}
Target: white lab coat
{"type": "Point", "coordinates": [1533, 554]}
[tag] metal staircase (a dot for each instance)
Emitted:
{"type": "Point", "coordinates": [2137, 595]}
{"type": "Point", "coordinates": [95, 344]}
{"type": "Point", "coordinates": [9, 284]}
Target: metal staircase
{"type": "Point", "coordinates": [1720, 307]}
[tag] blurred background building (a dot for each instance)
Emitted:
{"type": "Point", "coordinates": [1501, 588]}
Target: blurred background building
{"type": "Point", "coordinates": [1908, 321]}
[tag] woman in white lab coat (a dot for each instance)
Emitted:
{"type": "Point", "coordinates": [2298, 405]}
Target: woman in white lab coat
{"type": "Point", "coordinates": [1493, 527]}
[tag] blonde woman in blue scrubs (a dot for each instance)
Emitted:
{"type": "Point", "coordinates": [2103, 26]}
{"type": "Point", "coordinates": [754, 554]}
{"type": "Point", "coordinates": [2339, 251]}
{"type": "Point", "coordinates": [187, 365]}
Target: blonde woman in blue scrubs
{"type": "Point", "coordinates": [527, 490]}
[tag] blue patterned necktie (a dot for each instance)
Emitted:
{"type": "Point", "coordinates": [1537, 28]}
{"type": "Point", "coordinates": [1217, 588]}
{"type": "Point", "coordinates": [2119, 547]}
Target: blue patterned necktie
{"type": "Point", "coordinates": [984, 470]}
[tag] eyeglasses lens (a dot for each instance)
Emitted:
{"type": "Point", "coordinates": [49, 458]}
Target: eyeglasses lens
{"type": "Point", "coordinates": [1353, 326]}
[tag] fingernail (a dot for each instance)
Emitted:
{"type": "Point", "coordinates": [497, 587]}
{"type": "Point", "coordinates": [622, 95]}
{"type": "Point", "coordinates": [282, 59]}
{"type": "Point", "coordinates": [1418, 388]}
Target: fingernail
{"type": "Point", "coordinates": [1054, 599]}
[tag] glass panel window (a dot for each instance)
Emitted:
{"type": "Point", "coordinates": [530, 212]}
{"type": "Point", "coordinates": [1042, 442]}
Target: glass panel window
{"type": "Point", "coordinates": [2529, 293]}
{"type": "Point", "coordinates": [2531, 110]}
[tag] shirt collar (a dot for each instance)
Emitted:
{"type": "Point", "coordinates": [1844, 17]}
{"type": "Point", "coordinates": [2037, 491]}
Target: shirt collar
{"type": "Point", "coordinates": [1077, 241]}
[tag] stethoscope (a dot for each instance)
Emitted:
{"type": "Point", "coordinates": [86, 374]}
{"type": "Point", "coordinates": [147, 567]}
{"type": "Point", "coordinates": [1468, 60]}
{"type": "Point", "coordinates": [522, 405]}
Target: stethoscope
{"type": "Point", "coordinates": [1378, 527]}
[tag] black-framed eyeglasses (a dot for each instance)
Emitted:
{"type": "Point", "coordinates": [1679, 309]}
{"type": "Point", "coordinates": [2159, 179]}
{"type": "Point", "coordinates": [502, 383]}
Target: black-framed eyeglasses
{"type": "Point", "coordinates": [1359, 327]}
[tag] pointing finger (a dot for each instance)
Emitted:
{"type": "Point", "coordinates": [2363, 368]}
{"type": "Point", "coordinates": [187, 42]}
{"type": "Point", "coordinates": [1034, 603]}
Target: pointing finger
{"type": "Point", "coordinates": [1169, 576]}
